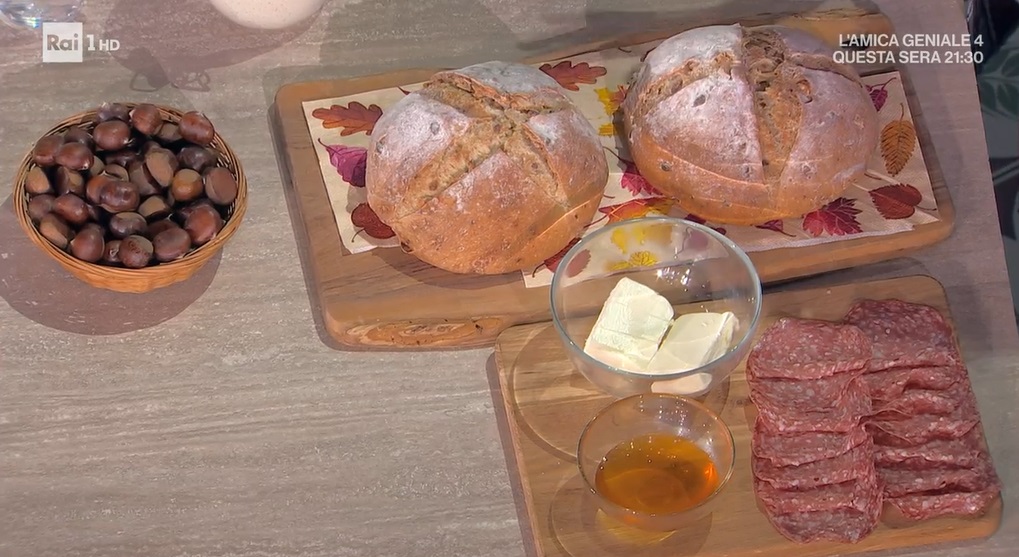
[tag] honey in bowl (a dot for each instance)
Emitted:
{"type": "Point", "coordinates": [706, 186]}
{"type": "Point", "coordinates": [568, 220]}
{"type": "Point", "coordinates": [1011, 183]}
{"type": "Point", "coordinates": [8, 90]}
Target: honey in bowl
{"type": "Point", "coordinates": [657, 474]}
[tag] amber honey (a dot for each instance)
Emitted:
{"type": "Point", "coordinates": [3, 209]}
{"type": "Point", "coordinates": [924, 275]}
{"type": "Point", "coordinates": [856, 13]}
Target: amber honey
{"type": "Point", "coordinates": [657, 474]}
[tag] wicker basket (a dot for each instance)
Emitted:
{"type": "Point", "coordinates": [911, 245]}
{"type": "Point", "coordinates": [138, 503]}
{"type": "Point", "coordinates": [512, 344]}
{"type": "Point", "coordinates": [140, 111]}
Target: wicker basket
{"type": "Point", "coordinates": [148, 278]}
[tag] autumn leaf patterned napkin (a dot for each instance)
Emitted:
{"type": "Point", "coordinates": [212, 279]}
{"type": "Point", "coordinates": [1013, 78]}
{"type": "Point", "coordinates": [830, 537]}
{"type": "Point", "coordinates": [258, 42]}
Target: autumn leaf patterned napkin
{"type": "Point", "coordinates": [895, 195]}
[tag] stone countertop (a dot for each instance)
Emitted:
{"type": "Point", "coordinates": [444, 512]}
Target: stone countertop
{"type": "Point", "coordinates": [210, 419]}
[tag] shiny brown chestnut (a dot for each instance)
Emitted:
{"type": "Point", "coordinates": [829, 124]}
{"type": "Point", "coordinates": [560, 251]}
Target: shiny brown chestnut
{"type": "Point", "coordinates": [119, 197]}
{"type": "Point", "coordinates": [135, 252]}
{"type": "Point", "coordinates": [172, 243]}
{"type": "Point", "coordinates": [71, 209]}
{"type": "Point", "coordinates": [127, 224]}
{"type": "Point", "coordinates": [146, 119]}
{"type": "Point", "coordinates": [112, 135]}
{"type": "Point", "coordinates": [111, 254]}
{"type": "Point", "coordinates": [37, 182]}
{"type": "Point", "coordinates": [40, 206]}
{"type": "Point", "coordinates": [220, 185]}
{"type": "Point", "coordinates": [88, 244]}
{"type": "Point", "coordinates": [112, 111]}
{"type": "Point", "coordinates": [46, 149]}
{"type": "Point", "coordinates": [74, 156]}
{"type": "Point", "coordinates": [162, 165]}
{"type": "Point", "coordinates": [68, 181]}
{"type": "Point", "coordinates": [196, 128]}
{"type": "Point", "coordinates": [54, 229]}
{"type": "Point", "coordinates": [203, 224]}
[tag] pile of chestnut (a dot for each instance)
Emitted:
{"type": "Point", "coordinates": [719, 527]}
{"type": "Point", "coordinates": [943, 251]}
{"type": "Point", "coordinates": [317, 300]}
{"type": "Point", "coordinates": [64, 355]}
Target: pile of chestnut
{"type": "Point", "coordinates": [130, 188]}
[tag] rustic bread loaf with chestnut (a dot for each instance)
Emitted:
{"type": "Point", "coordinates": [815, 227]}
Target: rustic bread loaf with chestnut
{"type": "Point", "coordinates": [485, 170]}
{"type": "Point", "coordinates": [746, 125]}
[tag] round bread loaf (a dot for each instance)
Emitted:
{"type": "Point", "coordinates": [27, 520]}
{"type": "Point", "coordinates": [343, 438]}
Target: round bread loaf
{"type": "Point", "coordinates": [746, 125]}
{"type": "Point", "coordinates": [485, 170]}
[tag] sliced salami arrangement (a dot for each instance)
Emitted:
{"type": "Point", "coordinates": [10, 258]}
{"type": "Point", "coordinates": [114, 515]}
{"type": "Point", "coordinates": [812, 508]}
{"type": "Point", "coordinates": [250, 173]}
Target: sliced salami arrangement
{"type": "Point", "coordinates": [869, 417]}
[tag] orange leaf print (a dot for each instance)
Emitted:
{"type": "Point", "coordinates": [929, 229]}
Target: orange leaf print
{"type": "Point", "coordinates": [569, 75]}
{"type": "Point", "coordinates": [637, 208]}
{"type": "Point", "coordinates": [897, 201]}
{"type": "Point", "coordinates": [353, 118]}
{"type": "Point", "coordinates": [837, 218]}
{"type": "Point", "coordinates": [611, 99]}
{"type": "Point", "coordinates": [898, 141]}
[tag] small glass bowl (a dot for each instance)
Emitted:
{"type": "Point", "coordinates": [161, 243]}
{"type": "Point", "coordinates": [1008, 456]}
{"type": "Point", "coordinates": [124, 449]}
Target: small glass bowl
{"type": "Point", "coordinates": [690, 264]}
{"type": "Point", "coordinates": [646, 414]}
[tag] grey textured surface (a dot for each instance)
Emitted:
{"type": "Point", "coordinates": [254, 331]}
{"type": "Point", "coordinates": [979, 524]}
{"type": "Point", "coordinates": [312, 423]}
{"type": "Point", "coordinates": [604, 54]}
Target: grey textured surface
{"type": "Point", "coordinates": [209, 419]}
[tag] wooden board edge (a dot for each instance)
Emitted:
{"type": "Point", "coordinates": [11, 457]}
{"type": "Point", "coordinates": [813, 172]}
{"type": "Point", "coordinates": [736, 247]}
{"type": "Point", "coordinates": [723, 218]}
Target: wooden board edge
{"type": "Point", "coordinates": [521, 478]}
{"type": "Point", "coordinates": [979, 528]}
{"type": "Point", "coordinates": [342, 316]}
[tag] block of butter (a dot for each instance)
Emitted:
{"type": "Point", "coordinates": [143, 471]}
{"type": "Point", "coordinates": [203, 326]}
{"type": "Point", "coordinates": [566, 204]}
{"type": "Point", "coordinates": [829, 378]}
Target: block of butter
{"type": "Point", "coordinates": [630, 327]}
{"type": "Point", "coordinates": [694, 340]}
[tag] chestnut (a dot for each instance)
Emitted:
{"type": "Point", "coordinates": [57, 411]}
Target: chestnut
{"type": "Point", "coordinates": [37, 182]}
{"type": "Point", "coordinates": [197, 158]}
{"type": "Point", "coordinates": [127, 224]}
{"type": "Point", "coordinates": [187, 185]}
{"type": "Point", "coordinates": [135, 252]}
{"type": "Point", "coordinates": [203, 224]}
{"type": "Point", "coordinates": [94, 188]}
{"type": "Point", "coordinates": [168, 133]}
{"type": "Point", "coordinates": [71, 208]}
{"type": "Point", "coordinates": [220, 185]}
{"type": "Point", "coordinates": [146, 119]}
{"type": "Point", "coordinates": [119, 196]}
{"type": "Point", "coordinates": [172, 243]}
{"type": "Point", "coordinates": [54, 229]}
{"type": "Point", "coordinates": [111, 254]}
{"type": "Point", "coordinates": [158, 226]}
{"type": "Point", "coordinates": [196, 128]}
{"type": "Point", "coordinates": [40, 206]}
{"type": "Point", "coordinates": [68, 181]}
{"type": "Point", "coordinates": [184, 212]}
{"type": "Point", "coordinates": [46, 149]}
{"type": "Point", "coordinates": [140, 176]}
{"type": "Point", "coordinates": [162, 165]}
{"type": "Point", "coordinates": [112, 111]}
{"type": "Point", "coordinates": [79, 135]}
{"type": "Point", "coordinates": [88, 245]}
{"type": "Point", "coordinates": [154, 208]}
{"type": "Point", "coordinates": [118, 172]}
{"type": "Point", "coordinates": [98, 166]}
{"type": "Point", "coordinates": [112, 135]}
{"type": "Point", "coordinates": [123, 157]}
{"type": "Point", "coordinates": [74, 156]}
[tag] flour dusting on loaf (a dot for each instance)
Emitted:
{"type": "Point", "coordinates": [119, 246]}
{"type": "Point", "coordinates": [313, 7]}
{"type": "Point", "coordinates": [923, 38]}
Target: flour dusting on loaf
{"type": "Point", "coordinates": [487, 169]}
{"type": "Point", "coordinates": [746, 125]}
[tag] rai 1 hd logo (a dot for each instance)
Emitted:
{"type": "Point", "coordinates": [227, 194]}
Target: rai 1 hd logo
{"type": "Point", "coordinates": [67, 42]}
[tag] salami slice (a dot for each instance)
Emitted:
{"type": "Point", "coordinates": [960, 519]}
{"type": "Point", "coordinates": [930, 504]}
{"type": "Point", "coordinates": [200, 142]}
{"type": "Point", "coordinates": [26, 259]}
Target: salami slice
{"type": "Point", "coordinates": [848, 466]}
{"type": "Point", "coordinates": [915, 401]}
{"type": "Point", "coordinates": [807, 349]}
{"type": "Point", "coordinates": [964, 452]}
{"type": "Point", "coordinates": [921, 428]}
{"type": "Point", "coordinates": [898, 482]}
{"type": "Point", "coordinates": [840, 417]}
{"type": "Point", "coordinates": [904, 334]}
{"type": "Point", "coordinates": [891, 383]}
{"type": "Point", "coordinates": [818, 395]}
{"type": "Point", "coordinates": [956, 503]}
{"type": "Point", "coordinates": [842, 525]}
{"type": "Point", "coordinates": [855, 494]}
{"type": "Point", "coordinates": [801, 448]}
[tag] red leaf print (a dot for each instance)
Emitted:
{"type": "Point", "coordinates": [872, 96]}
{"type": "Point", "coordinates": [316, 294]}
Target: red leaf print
{"type": "Point", "coordinates": [637, 208]}
{"type": "Point", "coordinates": [349, 162]}
{"type": "Point", "coordinates": [775, 225]}
{"type": "Point", "coordinates": [632, 181]}
{"type": "Point", "coordinates": [351, 119]}
{"type": "Point", "coordinates": [575, 267]}
{"type": "Point", "coordinates": [897, 201]}
{"type": "Point", "coordinates": [837, 218]}
{"type": "Point", "coordinates": [878, 94]}
{"type": "Point", "coordinates": [569, 75]}
{"type": "Point", "coordinates": [364, 217]}
{"type": "Point", "coordinates": [694, 218]}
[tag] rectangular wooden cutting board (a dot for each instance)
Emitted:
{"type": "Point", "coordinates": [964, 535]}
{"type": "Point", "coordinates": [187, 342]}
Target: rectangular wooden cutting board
{"type": "Point", "coordinates": [546, 404]}
{"type": "Point", "coordinates": [386, 299]}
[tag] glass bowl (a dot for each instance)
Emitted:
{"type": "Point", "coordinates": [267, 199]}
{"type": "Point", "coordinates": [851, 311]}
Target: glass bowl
{"type": "Point", "coordinates": [664, 416]}
{"type": "Point", "coordinates": [691, 265]}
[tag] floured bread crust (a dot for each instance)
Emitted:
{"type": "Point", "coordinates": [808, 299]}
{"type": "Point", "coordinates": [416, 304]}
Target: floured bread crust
{"type": "Point", "coordinates": [746, 125]}
{"type": "Point", "coordinates": [487, 169]}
